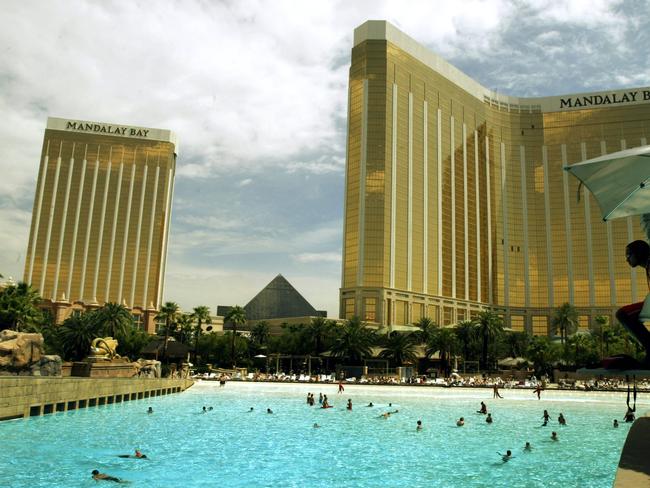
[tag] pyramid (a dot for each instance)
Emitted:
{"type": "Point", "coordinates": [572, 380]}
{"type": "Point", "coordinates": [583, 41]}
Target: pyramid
{"type": "Point", "coordinates": [278, 299]}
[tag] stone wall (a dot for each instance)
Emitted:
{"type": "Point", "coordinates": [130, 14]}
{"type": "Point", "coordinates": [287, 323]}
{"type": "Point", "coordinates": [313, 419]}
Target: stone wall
{"type": "Point", "coordinates": [24, 396]}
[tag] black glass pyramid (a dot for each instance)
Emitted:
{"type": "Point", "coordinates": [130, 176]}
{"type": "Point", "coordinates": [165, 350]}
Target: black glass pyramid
{"type": "Point", "coordinates": [279, 299]}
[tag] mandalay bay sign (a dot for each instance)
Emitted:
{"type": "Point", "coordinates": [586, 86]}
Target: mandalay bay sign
{"type": "Point", "coordinates": [107, 129]}
{"type": "Point", "coordinates": [606, 99]}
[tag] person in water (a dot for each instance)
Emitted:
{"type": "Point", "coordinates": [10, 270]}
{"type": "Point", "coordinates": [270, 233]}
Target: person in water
{"type": "Point", "coordinates": [546, 418]}
{"type": "Point", "coordinates": [250, 410]}
{"type": "Point", "coordinates": [629, 415]}
{"type": "Point", "coordinates": [370, 405]}
{"type": "Point", "coordinates": [460, 422]}
{"type": "Point", "coordinates": [341, 389]}
{"type": "Point", "coordinates": [419, 426]}
{"type": "Point", "coordinates": [150, 410]}
{"type": "Point", "coordinates": [205, 410]}
{"type": "Point", "coordinates": [97, 476]}
{"type": "Point", "coordinates": [488, 419]}
{"type": "Point", "coordinates": [349, 407]}
{"type": "Point", "coordinates": [483, 409]}
{"type": "Point", "coordinates": [528, 447]}
{"type": "Point", "coordinates": [326, 403]}
{"type": "Point", "coordinates": [506, 457]}
{"type": "Point", "coordinates": [554, 436]}
{"type": "Point", "coordinates": [320, 398]}
{"type": "Point", "coordinates": [268, 410]}
{"type": "Point", "coordinates": [615, 423]}
{"type": "Point", "coordinates": [561, 420]}
{"type": "Point", "coordinates": [316, 426]}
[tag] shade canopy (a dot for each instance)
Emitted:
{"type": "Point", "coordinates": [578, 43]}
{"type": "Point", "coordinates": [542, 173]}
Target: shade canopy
{"type": "Point", "coordinates": [620, 181]}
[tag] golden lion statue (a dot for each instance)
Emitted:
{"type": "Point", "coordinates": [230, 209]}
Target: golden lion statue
{"type": "Point", "coordinates": [104, 348]}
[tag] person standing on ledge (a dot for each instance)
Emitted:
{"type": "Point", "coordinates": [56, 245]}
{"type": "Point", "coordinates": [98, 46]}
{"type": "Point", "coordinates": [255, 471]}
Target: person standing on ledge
{"type": "Point", "coordinates": [637, 253]}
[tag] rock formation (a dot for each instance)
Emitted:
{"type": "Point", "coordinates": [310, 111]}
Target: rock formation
{"type": "Point", "coordinates": [19, 350]}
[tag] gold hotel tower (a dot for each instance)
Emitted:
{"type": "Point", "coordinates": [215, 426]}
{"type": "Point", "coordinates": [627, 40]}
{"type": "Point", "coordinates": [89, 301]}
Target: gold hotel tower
{"type": "Point", "coordinates": [456, 200]}
{"type": "Point", "coordinates": [101, 215]}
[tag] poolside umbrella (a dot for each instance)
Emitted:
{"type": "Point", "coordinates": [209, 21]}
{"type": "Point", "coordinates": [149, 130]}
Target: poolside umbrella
{"type": "Point", "coordinates": [620, 181]}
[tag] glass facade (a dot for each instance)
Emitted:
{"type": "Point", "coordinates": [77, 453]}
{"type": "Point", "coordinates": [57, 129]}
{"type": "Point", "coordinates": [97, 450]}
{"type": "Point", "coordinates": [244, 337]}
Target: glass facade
{"type": "Point", "coordinates": [101, 214]}
{"type": "Point", "coordinates": [456, 200]}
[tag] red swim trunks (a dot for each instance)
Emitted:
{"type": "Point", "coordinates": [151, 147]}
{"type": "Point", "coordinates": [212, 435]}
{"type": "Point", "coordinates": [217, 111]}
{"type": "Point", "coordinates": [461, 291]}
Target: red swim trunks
{"type": "Point", "coordinates": [632, 309]}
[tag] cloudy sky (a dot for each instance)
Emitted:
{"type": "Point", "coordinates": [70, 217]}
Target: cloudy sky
{"type": "Point", "coordinates": [256, 92]}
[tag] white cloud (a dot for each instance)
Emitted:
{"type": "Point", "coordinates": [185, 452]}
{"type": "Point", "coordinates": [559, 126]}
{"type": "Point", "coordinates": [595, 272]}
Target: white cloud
{"type": "Point", "coordinates": [257, 90]}
{"type": "Point", "coordinates": [315, 257]}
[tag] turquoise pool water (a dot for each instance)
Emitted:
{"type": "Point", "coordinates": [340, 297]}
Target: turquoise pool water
{"type": "Point", "coordinates": [232, 447]}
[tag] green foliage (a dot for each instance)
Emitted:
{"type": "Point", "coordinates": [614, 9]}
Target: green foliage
{"type": "Point", "coordinates": [19, 308]}
{"type": "Point", "coordinates": [184, 331]}
{"type": "Point", "coordinates": [446, 342]}
{"type": "Point", "coordinates": [132, 342]}
{"type": "Point", "coordinates": [399, 348]}
{"type": "Point", "coordinates": [76, 334]}
{"type": "Point", "coordinates": [201, 315]}
{"type": "Point", "coordinates": [467, 334]}
{"type": "Point", "coordinates": [565, 320]}
{"type": "Point", "coordinates": [543, 354]}
{"type": "Point", "coordinates": [236, 316]}
{"type": "Point", "coordinates": [489, 327]}
{"type": "Point", "coordinates": [319, 335]}
{"type": "Point", "coordinates": [354, 341]}
{"type": "Point", "coordinates": [168, 313]}
{"type": "Point", "coordinates": [427, 329]}
{"type": "Point", "coordinates": [260, 334]}
{"type": "Point", "coordinates": [113, 320]}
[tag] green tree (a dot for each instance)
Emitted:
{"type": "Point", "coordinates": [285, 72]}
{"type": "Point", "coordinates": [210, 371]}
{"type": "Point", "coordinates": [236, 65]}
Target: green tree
{"type": "Point", "coordinates": [260, 333]}
{"type": "Point", "coordinates": [542, 354]}
{"type": "Point", "coordinates": [515, 343]}
{"type": "Point", "coordinates": [19, 308]}
{"type": "Point", "coordinates": [132, 342]}
{"type": "Point", "coordinates": [201, 315]}
{"type": "Point", "coordinates": [77, 333]}
{"type": "Point", "coordinates": [489, 327]}
{"type": "Point", "coordinates": [236, 316]}
{"type": "Point", "coordinates": [113, 320]}
{"type": "Point", "coordinates": [354, 341]}
{"type": "Point", "coordinates": [565, 320]}
{"type": "Point", "coordinates": [318, 332]}
{"type": "Point", "coordinates": [446, 342]}
{"type": "Point", "coordinates": [398, 348]}
{"type": "Point", "coordinates": [427, 329]}
{"type": "Point", "coordinates": [466, 332]}
{"type": "Point", "coordinates": [598, 332]}
{"type": "Point", "coordinates": [169, 314]}
{"type": "Point", "coordinates": [184, 328]}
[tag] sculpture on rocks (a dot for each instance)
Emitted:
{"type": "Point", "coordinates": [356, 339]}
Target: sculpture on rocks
{"type": "Point", "coordinates": [103, 348]}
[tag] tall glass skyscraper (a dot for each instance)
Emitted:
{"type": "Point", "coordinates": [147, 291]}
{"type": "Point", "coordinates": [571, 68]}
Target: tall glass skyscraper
{"type": "Point", "coordinates": [456, 200]}
{"type": "Point", "coordinates": [101, 215]}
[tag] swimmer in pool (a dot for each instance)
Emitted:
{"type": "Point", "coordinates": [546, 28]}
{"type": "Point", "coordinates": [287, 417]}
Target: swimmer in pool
{"type": "Point", "coordinates": [349, 407]}
{"type": "Point", "coordinates": [97, 476]}
{"type": "Point", "coordinates": [528, 447]}
{"type": "Point", "coordinates": [419, 426]}
{"type": "Point", "coordinates": [483, 409]}
{"type": "Point", "coordinates": [506, 457]}
{"type": "Point", "coordinates": [268, 410]}
{"type": "Point", "coordinates": [615, 423]}
{"type": "Point", "coordinates": [137, 455]}
{"type": "Point", "coordinates": [554, 436]}
{"type": "Point", "coordinates": [150, 410]}
{"type": "Point", "coordinates": [370, 405]}
{"type": "Point", "coordinates": [488, 419]}
{"type": "Point", "coordinates": [460, 422]}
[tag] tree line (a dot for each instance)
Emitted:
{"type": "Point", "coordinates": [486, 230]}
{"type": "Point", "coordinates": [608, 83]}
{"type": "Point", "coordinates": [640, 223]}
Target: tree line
{"type": "Point", "coordinates": [482, 341]}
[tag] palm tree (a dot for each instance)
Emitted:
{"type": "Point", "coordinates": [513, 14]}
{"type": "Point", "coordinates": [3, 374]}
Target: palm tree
{"type": "Point", "coordinates": [236, 316]}
{"type": "Point", "coordinates": [489, 326]}
{"type": "Point", "coordinates": [77, 333]}
{"type": "Point", "coordinates": [427, 330]}
{"type": "Point", "coordinates": [19, 308]}
{"type": "Point", "coordinates": [184, 328]}
{"type": "Point", "coordinates": [113, 320]}
{"type": "Point", "coordinates": [168, 313]}
{"type": "Point", "coordinates": [565, 319]}
{"type": "Point", "coordinates": [354, 341]}
{"type": "Point", "coordinates": [202, 316]}
{"type": "Point", "coordinates": [602, 321]}
{"type": "Point", "coordinates": [446, 342]}
{"type": "Point", "coordinates": [260, 333]}
{"type": "Point", "coordinates": [318, 330]}
{"type": "Point", "coordinates": [466, 333]}
{"type": "Point", "coordinates": [398, 348]}
{"type": "Point", "coordinates": [541, 353]}
{"type": "Point", "coordinates": [516, 343]}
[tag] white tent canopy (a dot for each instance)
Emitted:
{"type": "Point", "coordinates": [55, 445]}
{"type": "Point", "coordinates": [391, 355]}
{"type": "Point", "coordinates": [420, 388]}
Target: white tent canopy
{"type": "Point", "coordinates": [620, 181]}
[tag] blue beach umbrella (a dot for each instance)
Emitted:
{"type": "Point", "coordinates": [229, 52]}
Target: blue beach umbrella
{"type": "Point", "coordinates": [620, 181]}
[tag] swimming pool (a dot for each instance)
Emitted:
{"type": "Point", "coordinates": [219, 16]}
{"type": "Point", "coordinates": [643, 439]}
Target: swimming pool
{"type": "Point", "coordinates": [230, 446]}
